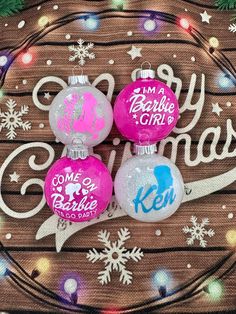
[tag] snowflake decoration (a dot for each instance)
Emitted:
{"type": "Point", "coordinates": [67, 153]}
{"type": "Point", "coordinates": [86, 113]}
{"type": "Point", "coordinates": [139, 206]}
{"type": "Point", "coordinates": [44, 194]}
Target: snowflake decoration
{"type": "Point", "coordinates": [81, 52]}
{"type": "Point", "coordinates": [232, 28]}
{"type": "Point", "coordinates": [115, 256]}
{"type": "Point", "coordinates": [12, 119]}
{"type": "Point", "coordinates": [198, 231]}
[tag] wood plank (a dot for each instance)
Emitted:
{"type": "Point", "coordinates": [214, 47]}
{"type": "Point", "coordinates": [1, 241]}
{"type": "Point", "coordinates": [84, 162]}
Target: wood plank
{"type": "Point", "coordinates": [215, 207]}
{"type": "Point", "coordinates": [201, 170]}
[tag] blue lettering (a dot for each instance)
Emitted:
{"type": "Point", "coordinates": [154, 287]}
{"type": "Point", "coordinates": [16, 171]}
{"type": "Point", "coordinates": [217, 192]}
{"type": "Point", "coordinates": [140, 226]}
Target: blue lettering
{"type": "Point", "coordinates": [163, 192]}
{"type": "Point", "coordinates": [139, 200]}
{"type": "Point", "coordinates": [159, 201]}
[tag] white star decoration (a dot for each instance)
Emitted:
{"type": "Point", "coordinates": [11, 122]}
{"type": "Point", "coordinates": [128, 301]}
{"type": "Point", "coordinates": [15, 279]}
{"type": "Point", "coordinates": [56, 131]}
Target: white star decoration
{"type": "Point", "coordinates": [14, 177]}
{"type": "Point", "coordinates": [205, 17]}
{"type": "Point", "coordinates": [216, 109]}
{"type": "Point", "coordinates": [47, 96]}
{"type": "Point", "coordinates": [134, 52]}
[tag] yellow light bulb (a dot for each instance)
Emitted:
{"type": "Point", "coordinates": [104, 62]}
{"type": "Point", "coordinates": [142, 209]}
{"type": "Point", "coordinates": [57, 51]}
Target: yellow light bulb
{"type": "Point", "coordinates": [43, 21]}
{"type": "Point", "coordinates": [43, 265]}
{"type": "Point", "coordinates": [214, 42]}
{"type": "Point", "coordinates": [231, 237]}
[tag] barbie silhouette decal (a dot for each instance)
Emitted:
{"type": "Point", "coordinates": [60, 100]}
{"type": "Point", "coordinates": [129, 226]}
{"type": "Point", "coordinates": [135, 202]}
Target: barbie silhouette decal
{"type": "Point", "coordinates": [81, 115]}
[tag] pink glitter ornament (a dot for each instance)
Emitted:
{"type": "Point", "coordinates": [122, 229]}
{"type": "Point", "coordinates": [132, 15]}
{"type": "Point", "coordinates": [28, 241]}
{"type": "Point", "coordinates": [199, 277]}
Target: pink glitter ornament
{"type": "Point", "coordinates": [78, 189]}
{"type": "Point", "coordinates": [147, 110]}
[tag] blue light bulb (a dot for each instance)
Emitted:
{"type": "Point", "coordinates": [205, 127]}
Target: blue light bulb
{"type": "Point", "coordinates": [92, 23]}
{"type": "Point", "coordinates": [3, 268]}
{"type": "Point", "coordinates": [162, 278]}
{"type": "Point", "coordinates": [225, 82]}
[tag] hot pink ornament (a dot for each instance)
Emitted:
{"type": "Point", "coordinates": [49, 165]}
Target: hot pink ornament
{"type": "Point", "coordinates": [78, 190]}
{"type": "Point", "coordinates": [147, 110]}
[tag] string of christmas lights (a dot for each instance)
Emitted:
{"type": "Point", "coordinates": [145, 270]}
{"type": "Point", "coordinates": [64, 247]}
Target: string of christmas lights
{"type": "Point", "coordinates": [31, 286]}
{"type": "Point", "coordinates": [194, 286]}
{"type": "Point", "coordinates": [121, 3]}
{"type": "Point", "coordinates": [208, 45]}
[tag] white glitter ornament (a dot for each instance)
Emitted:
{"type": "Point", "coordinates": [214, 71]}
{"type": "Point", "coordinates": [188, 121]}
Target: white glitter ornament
{"type": "Point", "coordinates": [149, 187]}
{"type": "Point", "coordinates": [82, 112]}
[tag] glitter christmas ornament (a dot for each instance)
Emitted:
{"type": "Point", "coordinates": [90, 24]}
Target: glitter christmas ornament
{"type": "Point", "coordinates": [147, 110]}
{"type": "Point", "coordinates": [149, 187]}
{"type": "Point", "coordinates": [81, 111]}
{"type": "Point", "coordinates": [78, 187]}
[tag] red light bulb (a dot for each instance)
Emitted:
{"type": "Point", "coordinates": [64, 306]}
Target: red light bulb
{"type": "Point", "coordinates": [26, 58]}
{"type": "Point", "coordinates": [184, 23]}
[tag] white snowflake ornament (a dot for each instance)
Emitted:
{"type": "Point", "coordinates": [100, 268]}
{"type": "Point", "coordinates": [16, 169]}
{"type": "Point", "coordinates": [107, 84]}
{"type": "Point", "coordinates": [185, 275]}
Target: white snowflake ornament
{"type": "Point", "coordinates": [232, 28]}
{"type": "Point", "coordinates": [198, 231]}
{"type": "Point", "coordinates": [81, 52]}
{"type": "Point", "coordinates": [115, 256]}
{"type": "Point", "coordinates": [11, 119]}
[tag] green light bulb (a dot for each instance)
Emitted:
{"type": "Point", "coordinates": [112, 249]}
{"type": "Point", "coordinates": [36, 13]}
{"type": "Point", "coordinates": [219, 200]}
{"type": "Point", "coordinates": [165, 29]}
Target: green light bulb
{"type": "Point", "coordinates": [118, 3]}
{"type": "Point", "coordinates": [1, 93]}
{"type": "Point", "coordinates": [215, 289]}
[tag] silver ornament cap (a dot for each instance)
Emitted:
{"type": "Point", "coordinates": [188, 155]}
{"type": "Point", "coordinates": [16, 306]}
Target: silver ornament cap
{"type": "Point", "coordinates": [145, 149]}
{"type": "Point", "coordinates": [77, 150]}
{"type": "Point", "coordinates": [145, 74]}
{"type": "Point", "coordinates": [78, 80]}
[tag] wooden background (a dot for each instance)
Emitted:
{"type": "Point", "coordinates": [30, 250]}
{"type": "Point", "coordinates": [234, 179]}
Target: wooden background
{"type": "Point", "coordinates": [111, 42]}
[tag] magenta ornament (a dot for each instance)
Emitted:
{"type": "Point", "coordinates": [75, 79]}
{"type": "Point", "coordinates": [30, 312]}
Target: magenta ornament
{"type": "Point", "coordinates": [147, 110]}
{"type": "Point", "coordinates": [78, 190]}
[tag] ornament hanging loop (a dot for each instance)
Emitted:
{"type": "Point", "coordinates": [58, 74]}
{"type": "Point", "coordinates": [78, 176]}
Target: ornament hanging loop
{"type": "Point", "coordinates": [80, 79]}
{"type": "Point", "coordinates": [76, 67]}
{"type": "Point", "coordinates": [77, 150]}
{"type": "Point", "coordinates": [145, 73]}
{"type": "Point", "coordinates": [77, 141]}
{"type": "Point", "coordinates": [148, 63]}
